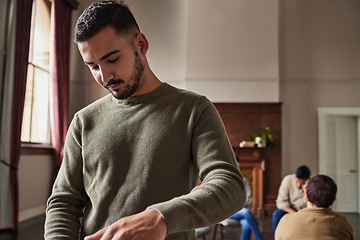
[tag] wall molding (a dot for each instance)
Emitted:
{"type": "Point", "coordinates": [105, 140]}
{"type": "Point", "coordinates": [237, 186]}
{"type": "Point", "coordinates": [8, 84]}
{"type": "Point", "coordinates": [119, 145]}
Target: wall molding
{"type": "Point", "coordinates": [229, 79]}
{"type": "Point", "coordinates": [321, 80]}
{"type": "Point", "coordinates": [32, 212]}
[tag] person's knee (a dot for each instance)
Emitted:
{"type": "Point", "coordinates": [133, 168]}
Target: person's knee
{"type": "Point", "coordinates": [278, 213]}
{"type": "Point", "coordinates": [245, 211]}
{"type": "Point", "coordinates": [244, 224]}
{"type": "Point", "coordinates": [275, 214]}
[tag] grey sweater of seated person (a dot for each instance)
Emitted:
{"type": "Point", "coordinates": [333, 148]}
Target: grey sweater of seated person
{"type": "Point", "coordinates": [146, 151]}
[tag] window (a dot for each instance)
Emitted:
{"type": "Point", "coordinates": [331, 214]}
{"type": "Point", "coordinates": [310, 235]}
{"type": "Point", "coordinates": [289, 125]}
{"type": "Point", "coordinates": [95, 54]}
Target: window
{"type": "Point", "coordinates": [36, 117]}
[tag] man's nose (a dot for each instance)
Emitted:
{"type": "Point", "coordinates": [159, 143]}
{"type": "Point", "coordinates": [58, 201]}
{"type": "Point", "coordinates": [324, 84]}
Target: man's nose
{"type": "Point", "coordinates": [106, 75]}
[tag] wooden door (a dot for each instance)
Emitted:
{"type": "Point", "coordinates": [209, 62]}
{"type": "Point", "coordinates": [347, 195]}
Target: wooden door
{"type": "Point", "coordinates": [341, 156]}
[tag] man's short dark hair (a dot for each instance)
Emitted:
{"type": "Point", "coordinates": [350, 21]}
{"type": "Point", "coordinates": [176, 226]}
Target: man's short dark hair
{"type": "Point", "coordinates": [303, 172]}
{"type": "Point", "coordinates": [321, 191]}
{"type": "Point", "coordinates": [100, 15]}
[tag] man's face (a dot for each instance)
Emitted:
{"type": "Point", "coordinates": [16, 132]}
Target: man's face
{"type": "Point", "coordinates": [300, 183]}
{"type": "Point", "coordinates": [114, 62]}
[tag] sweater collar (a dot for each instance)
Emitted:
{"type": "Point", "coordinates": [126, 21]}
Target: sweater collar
{"type": "Point", "coordinates": [133, 100]}
{"type": "Point", "coordinates": [317, 209]}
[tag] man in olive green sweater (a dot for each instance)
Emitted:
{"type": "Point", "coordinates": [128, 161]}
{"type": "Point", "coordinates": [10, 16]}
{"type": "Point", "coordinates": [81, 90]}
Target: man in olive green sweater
{"type": "Point", "coordinates": [132, 158]}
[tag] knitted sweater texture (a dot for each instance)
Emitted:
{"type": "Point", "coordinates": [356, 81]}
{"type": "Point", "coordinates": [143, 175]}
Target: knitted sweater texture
{"type": "Point", "coordinates": [147, 151]}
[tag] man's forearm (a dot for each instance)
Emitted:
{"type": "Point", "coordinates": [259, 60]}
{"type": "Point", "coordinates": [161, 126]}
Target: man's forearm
{"type": "Point", "coordinates": [288, 209]}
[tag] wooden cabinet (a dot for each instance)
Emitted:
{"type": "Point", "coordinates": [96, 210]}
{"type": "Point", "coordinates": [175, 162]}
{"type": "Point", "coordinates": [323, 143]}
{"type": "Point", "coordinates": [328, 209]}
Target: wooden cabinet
{"type": "Point", "coordinates": [252, 167]}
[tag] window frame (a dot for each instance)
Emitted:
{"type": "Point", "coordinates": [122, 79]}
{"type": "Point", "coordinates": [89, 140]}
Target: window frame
{"type": "Point", "coordinates": [31, 148]}
{"type": "Point", "coordinates": [39, 147]}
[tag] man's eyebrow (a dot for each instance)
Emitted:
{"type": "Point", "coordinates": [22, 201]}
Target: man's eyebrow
{"type": "Point", "coordinates": [108, 54]}
{"type": "Point", "coordinates": [104, 57]}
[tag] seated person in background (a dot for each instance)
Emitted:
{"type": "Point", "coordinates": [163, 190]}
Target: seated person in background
{"type": "Point", "coordinates": [291, 197]}
{"type": "Point", "coordinates": [246, 218]}
{"type": "Point", "coordinates": [318, 220]}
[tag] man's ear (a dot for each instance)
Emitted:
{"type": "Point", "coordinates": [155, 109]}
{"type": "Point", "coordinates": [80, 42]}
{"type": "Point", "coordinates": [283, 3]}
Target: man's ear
{"type": "Point", "coordinates": [306, 197]}
{"type": "Point", "coordinates": [142, 42]}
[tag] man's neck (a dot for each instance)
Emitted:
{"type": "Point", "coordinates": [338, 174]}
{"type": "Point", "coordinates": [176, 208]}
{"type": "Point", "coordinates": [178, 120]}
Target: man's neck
{"type": "Point", "coordinates": [148, 84]}
{"type": "Point", "coordinates": [310, 205]}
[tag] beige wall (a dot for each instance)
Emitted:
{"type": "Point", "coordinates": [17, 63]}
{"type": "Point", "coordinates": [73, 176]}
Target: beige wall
{"type": "Point", "coordinates": [320, 67]}
{"type": "Point", "coordinates": [305, 54]}
{"type": "Point", "coordinates": [232, 50]}
{"type": "Point", "coordinates": [35, 172]}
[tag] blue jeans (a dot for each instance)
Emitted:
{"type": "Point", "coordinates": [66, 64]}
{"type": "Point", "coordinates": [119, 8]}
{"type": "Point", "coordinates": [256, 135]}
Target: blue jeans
{"type": "Point", "coordinates": [248, 223]}
{"type": "Point", "coordinates": [276, 216]}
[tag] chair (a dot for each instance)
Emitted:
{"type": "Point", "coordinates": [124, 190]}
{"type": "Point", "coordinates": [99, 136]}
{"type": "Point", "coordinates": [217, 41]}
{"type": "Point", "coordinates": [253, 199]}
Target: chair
{"type": "Point", "coordinates": [202, 232]}
{"type": "Point", "coordinates": [227, 223]}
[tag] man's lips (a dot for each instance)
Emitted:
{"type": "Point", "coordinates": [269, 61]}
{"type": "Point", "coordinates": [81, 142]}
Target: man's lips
{"type": "Point", "coordinates": [113, 86]}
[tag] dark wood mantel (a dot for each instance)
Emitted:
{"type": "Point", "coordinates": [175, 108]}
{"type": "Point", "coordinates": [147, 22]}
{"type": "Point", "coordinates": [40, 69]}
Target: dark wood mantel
{"type": "Point", "coordinates": [242, 120]}
{"type": "Point", "coordinates": [253, 166]}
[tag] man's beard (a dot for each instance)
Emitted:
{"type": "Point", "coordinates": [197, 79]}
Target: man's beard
{"type": "Point", "coordinates": [133, 83]}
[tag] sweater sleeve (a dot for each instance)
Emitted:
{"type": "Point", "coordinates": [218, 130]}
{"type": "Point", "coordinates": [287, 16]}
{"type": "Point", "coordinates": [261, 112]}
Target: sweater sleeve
{"type": "Point", "coordinates": [68, 198]}
{"type": "Point", "coordinates": [222, 191]}
{"type": "Point", "coordinates": [283, 199]}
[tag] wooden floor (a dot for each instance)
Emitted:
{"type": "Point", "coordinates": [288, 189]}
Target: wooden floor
{"type": "Point", "coordinates": [234, 233]}
{"type": "Point", "coordinates": [33, 229]}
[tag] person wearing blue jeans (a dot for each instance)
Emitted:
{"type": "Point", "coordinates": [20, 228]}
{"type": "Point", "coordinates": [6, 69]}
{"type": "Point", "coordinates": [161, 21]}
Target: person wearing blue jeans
{"type": "Point", "coordinates": [291, 196]}
{"type": "Point", "coordinates": [248, 224]}
{"type": "Point", "coordinates": [246, 218]}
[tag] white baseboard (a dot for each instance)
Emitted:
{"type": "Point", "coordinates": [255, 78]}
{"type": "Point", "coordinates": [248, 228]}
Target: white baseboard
{"type": "Point", "coordinates": [32, 212]}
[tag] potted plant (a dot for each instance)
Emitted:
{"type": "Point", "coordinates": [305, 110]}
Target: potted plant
{"type": "Point", "coordinates": [263, 138]}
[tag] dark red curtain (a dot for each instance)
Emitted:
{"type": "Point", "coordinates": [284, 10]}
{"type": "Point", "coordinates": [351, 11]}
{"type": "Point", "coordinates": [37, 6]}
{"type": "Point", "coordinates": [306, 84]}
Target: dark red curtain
{"type": "Point", "coordinates": [23, 22]}
{"type": "Point", "coordinates": [61, 23]}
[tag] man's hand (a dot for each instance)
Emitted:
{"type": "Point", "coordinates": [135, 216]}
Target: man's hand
{"type": "Point", "coordinates": [288, 209]}
{"type": "Point", "coordinates": [148, 225]}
